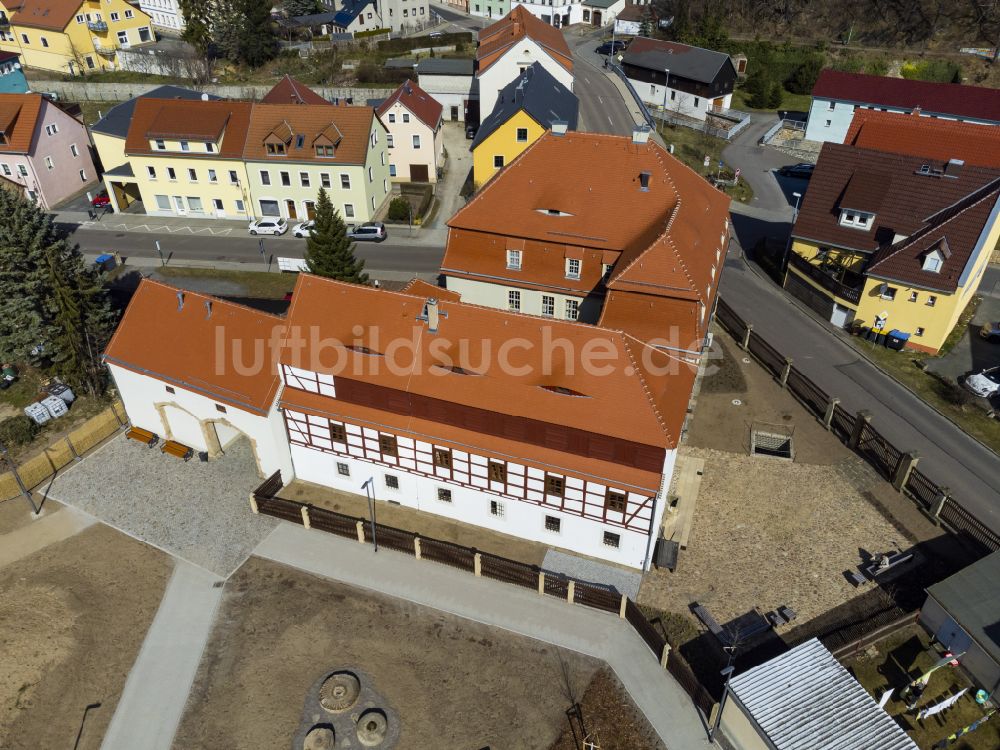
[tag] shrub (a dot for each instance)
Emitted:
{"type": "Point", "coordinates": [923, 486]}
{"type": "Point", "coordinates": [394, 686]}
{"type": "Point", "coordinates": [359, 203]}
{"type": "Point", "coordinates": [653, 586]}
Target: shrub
{"type": "Point", "coordinates": [941, 71]}
{"type": "Point", "coordinates": [399, 209]}
{"type": "Point", "coordinates": [804, 77]}
{"type": "Point", "coordinates": [19, 430]}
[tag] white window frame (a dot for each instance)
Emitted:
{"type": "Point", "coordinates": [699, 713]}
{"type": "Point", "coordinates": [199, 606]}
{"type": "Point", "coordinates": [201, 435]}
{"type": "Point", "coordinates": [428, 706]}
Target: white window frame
{"type": "Point", "coordinates": [513, 260]}
{"type": "Point", "coordinates": [571, 264]}
{"type": "Point", "coordinates": [548, 306]}
{"type": "Point", "coordinates": [514, 300]}
{"type": "Point", "coordinates": [572, 309]}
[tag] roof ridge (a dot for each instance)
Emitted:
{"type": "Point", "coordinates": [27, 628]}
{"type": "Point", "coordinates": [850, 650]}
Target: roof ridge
{"type": "Point", "coordinates": [625, 337]}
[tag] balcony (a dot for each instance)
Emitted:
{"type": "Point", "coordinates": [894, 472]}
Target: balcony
{"type": "Point", "coordinates": [98, 27]}
{"type": "Point", "coordinates": [849, 292]}
{"type": "Point", "coordinates": [4, 22]}
{"type": "Point", "coordinates": [105, 51]}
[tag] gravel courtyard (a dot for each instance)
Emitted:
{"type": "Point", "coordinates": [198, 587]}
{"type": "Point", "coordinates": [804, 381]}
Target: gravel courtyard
{"type": "Point", "coordinates": [767, 531]}
{"type": "Point", "coordinates": [196, 511]}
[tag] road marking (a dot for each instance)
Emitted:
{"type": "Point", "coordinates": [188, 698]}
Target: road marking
{"type": "Point", "coordinates": [154, 229]}
{"type": "Point", "coordinates": [610, 121]}
{"type": "Point", "coordinates": [600, 100]}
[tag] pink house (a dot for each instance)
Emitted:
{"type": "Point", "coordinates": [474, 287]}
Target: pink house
{"type": "Point", "coordinates": [43, 149]}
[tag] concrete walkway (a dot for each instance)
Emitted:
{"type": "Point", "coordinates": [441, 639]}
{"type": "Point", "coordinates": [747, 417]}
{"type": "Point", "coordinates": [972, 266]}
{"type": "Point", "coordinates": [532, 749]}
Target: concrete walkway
{"type": "Point", "coordinates": [157, 688]}
{"type": "Point", "coordinates": [603, 636]}
{"type": "Point", "coordinates": [40, 533]}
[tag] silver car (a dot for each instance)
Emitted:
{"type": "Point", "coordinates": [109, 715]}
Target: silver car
{"type": "Point", "coordinates": [985, 383]}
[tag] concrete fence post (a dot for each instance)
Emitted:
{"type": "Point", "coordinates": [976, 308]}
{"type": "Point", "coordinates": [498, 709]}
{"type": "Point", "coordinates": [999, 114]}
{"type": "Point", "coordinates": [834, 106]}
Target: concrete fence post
{"type": "Point", "coordinates": [361, 532]}
{"type": "Point", "coordinates": [253, 504]}
{"type": "Point", "coordinates": [863, 420]}
{"type": "Point", "coordinates": [784, 372]}
{"type": "Point", "coordinates": [944, 493]}
{"type": "Point", "coordinates": [828, 417]}
{"type": "Point", "coordinates": [907, 462]}
{"type": "Point", "coordinates": [621, 609]}
{"type": "Point", "coordinates": [477, 562]}
{"type": "Point", "coordinates": [541, 582]}
{"type": "Point", "coordinates": [665, 655]}
{"type": "Point", "coordinates": [570, 591]}
{"type": "Point", "coordinates": [416, 547]}
{"type": "Point", "coordinates": [745, 344]}
{"type": "Point", "coordinates": [304, 510]}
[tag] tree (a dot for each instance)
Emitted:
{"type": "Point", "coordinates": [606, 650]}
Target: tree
{"type": "Point", "coordinates": [804, 77]}
{"type": "Point", "coordinates": [197, 26]}
{"type": "Point", "coordinates": [54, 310]}
{"type": "Point", "coordinates": [256, 42]}
{"type": "Point", "coordinates": [329, 252]}
{"type": "Point", "coordinates": [300, 7]}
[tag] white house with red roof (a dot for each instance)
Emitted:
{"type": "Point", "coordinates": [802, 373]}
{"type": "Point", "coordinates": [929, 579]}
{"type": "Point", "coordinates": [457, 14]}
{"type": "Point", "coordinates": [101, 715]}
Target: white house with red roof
{"type": "Point", "coordinates": [416, 147]}
{"type": "Point", "coordinates": [837, 94]}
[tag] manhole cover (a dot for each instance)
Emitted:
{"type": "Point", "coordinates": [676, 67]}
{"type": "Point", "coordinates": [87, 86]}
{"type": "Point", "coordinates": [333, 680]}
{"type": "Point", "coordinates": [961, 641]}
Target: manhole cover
{"type": "Point", "coordinates": [746, 360]}
{"type": "Point", "coordinates": [372, 727]}
{"type": "Point", "coordinates": [737, 402]}
{"type": "Point", "coordinates": [339, 692]}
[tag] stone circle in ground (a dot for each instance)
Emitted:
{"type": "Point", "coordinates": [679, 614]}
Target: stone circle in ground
{"type": "Point", "coordinates": [343, 709]}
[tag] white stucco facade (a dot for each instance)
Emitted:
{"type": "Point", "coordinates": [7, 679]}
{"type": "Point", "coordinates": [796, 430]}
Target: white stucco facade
{"type": "Point", "coordinates": [165, 14]}
{"type": "Point", "coordinates": [656, 96]}
{"type": "Point", "coordinates": [510, 65]}
{"type": "Point", "coordinates": [497, 295]}
{"type": "Point", "coordinates": [452, 92]}
{"type": "Point", "coordinates": [416, 149]}
{"type": "Point", "coordinates": [194, 419]}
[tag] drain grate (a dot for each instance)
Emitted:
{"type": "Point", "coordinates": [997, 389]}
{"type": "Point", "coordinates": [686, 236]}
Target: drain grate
{"type": "Point", "coordinates": [775, 441]}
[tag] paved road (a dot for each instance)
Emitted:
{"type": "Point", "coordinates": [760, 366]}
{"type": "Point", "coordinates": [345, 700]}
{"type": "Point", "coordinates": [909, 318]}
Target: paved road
{"type": "Point", "coordinates": [757, 163]}
{"type": "Point", "coordinates": [461, 21]}
{"type": "Point", "coordinates": [598, 634]}
{"type": "Point", "coordinates": [602, 109]}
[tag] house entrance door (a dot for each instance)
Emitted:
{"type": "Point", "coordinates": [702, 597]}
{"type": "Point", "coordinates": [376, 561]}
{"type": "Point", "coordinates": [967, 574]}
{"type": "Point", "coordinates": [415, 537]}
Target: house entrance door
{"type": "Point", "coordinates": [290, 205]}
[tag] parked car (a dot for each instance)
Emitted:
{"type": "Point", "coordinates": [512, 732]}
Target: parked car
{"type": "Point", "coordinates": [268, 226]}
{"type": "Point", "coordinates": [991, 332]}
{"type": "Point", "coordinates": [373, 231]}
{"type": "Point", "coordinates": [101, 200]}
{"type": "Point", "coordinates": [470, 132]}
{"type": "Point", "coordinates": [303, 229]}
{"type": "Point", "coordinates": [803, 171]}
{"type": "Point", "coordinates": [985, 383]}
{"type": "Point", "coordinates": [612, 48]}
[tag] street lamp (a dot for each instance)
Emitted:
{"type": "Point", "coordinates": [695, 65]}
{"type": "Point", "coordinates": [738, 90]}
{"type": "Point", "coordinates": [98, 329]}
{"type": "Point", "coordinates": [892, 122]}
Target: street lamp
{"type": "Point", "coordinates": [369, 488]}
{"type": "Point", "coordinates": [666, 88]}
{"type": "Point", "coordinates": [788, 244]}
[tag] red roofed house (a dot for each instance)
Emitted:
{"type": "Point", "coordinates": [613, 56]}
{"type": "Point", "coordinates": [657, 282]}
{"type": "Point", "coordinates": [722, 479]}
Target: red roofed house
{"type": "Point", "coordinates": [290, 91]}
{"type": "Point", "coordinates": [509, 47]}
{"type": "Point", "coordinates": [913, 135]}
{"type": "Point", "coordinates": [837, 95]}
{"type": "Point", "coordinates": [416, 146]}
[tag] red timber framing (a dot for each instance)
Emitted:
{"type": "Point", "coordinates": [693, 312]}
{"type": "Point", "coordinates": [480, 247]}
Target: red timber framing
{"type": "Point", "coordinates": [476, 470]}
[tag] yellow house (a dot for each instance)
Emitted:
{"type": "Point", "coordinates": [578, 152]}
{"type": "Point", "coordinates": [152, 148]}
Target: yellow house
{"type": "Point", "coordinates": [72, 36]}
{"type": "Point", "coordinates": [528, 106]}
{"type": "Point", "coordinates": [893, 244]}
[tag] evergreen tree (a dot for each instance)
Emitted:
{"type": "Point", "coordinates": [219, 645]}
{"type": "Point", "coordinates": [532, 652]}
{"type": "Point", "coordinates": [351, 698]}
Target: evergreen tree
{"type": "Point", "coordinates": [198, 27]}
{"type": "Point", "coordinates": [300, 7]}
{"type": "Point", "coordinates": [329, 252]}
{"type": "Point", "coordinates": [256, 41]}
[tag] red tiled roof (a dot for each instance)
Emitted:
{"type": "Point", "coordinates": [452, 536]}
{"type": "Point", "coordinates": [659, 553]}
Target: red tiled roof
{"type": "Point", "coordinates": [637, 393]}
{"type": "Point", "coordinates": [497, 38]}
{"type": "Point", "coordinates": [917, 135]}
{"type": "Point", "coordinates": [179, 118]}
{"type": "Point", "coordinates": [290, 91]}
{"type": "Point", "coordinates": [180, 347]}
{"type": "Point", "coordinates": [46, 14]}
{"type": "Point", "coordinates": [351, 125]}
{"type": "Point", "coordinates": [941, 98]}
{"type": "Point", "coordinates": [421, 288]}
{"type": "Point", "coordinates": [955, 233]}
{"type": "Point", "coordinates": [419, 102]}
{"type": "Point", "coordinates": [903, 203]}
{"type": "Point", "coordinates": [18, 118]}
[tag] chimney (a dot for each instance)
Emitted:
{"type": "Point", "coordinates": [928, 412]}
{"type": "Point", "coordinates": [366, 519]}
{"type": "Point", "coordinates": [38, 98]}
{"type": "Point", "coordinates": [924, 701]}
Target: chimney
{"type": "Point", "coordinates": [644, 181]}
{"type": "Point", "coordinates": [180, 301]}
{"type": "Point", "coordinates": [208, 309]}
{"type": "Point", "coordinates": [559, 127]}
{"type": "Point", "coordinates": [640, 134]}
{"type": "Point", "coordinates": [953, 168]}
{"type": "Point", "coordinates": [432, 315]}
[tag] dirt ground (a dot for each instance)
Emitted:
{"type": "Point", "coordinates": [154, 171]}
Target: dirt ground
{"type": "Point", "coordinates": [16, 512]}
{"type": "Point", "coordinates": [769, 532]}
{"type": "Point", "coordinates": [453, 682]}
{"type": "Point", "coordinates": [609, 719]}
{"type": "Point", "coordinates": [72, 620]}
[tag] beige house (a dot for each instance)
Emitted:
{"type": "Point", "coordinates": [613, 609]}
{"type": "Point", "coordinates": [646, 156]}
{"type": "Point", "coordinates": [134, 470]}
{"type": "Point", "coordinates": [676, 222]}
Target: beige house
{"type": "Point", "coordinates": [416, 146]}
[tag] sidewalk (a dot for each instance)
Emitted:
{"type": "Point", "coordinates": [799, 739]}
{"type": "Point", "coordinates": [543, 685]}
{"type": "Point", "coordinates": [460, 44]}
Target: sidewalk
{"type": "Point", "coordinates": [152, 703]}
{"type": "Point", "coordinates": [601, 635]}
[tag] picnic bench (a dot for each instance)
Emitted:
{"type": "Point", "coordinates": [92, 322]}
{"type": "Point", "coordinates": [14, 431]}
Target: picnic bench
{"type": "Point", "coordinates": [177, 449]}
{"type": "Point", "coordinates": [884, 563]}
{"type": "Point", "coordinates": [147, 438]}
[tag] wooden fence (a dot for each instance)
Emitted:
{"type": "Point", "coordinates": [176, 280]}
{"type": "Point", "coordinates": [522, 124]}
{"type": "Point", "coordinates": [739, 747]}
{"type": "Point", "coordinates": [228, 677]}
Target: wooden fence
{"type": "Point", "coordinates": [265, 500]}
{"type": "Point", "coordinates": [63, 452]}
{"type": "Point", "coordinates": [888, 460]}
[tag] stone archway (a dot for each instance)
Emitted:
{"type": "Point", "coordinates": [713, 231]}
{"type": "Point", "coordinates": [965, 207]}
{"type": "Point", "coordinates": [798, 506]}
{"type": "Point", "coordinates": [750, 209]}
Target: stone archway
{"type": "Point", "coordinates": [208, 437]}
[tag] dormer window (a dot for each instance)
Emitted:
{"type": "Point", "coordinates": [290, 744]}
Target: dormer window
{"type": "Point", "coordinates": [324, 151]}
{"type": "Point", "coordinates": [933, 262]}
{"type": "Point", "coordinates": [856, 219]}
{"type": "Point", "coordinates": [276, 149]}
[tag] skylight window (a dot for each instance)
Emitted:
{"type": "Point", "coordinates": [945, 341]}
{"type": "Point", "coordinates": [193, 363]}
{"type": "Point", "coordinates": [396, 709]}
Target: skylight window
{"type": "Point", "coordinates": [563, 391]}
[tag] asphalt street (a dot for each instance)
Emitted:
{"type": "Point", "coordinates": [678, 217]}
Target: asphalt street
{"type": "Point", "coordinates": [602, 109]}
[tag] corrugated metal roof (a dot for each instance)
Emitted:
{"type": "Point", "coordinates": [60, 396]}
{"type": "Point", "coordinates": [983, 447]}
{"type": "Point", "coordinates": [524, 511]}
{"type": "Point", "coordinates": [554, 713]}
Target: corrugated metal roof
{"type": "Point", "coordinates": [805, 700]}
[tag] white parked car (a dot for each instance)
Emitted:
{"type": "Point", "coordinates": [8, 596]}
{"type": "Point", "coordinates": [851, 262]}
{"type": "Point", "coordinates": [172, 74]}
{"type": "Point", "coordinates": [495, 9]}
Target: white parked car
{"type": "Point", "coordinates": [303, 229]}
{"type": "Point", "coordinates": [268, 226]}
{"type": "Point", "coordinates": [985, 383]}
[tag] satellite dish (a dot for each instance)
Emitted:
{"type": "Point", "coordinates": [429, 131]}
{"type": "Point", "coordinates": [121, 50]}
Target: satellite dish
{"type": "Point", "coordinates": [204, 97]}
{"type": "Point", "coordinates": [17, 66]}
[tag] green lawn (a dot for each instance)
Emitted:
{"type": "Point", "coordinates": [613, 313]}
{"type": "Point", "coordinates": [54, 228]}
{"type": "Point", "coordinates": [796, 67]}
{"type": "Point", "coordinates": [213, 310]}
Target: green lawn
{"type": "Point", "coordinates": [259, 284]}
{"type": "Point", "coordinates": [789, 101]}
{"type": "Point", "coordinates": [94, 111]}
{"type": "Point", "coordinates": [691, 147]}
{"type": "Point", "coordinates": [904, 656]}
